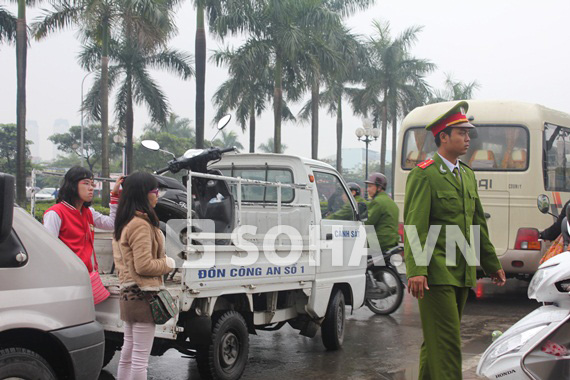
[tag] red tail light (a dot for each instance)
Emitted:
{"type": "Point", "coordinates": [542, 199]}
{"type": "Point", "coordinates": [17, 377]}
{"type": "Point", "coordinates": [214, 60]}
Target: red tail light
{"type": "Point", "coordinates": [527, 238]}
{"type": "Point", "coordinates": [401, 232]}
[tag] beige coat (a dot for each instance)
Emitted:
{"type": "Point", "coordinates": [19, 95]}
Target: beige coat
{"type": "Point", "coordinates": [140, 256]}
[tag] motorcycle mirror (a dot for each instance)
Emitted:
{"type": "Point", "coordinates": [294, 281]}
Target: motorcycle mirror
{"type": "Point", "coordinates": [224, 121]}
{"type": "Point", "coordinates": [543, 203]}
{"type": "Point", "coordinates": [151, 145]}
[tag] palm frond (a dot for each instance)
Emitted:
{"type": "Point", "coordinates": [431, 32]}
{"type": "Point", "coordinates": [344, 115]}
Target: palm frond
{"type": "Point", "coordinates": [176, 62]}
{"type": "Point", "coordinates": [61, 17]}
{"type": "Point", "coordinates": [147, 91]}
{"type": "Point", "coordinates": [7, 26]}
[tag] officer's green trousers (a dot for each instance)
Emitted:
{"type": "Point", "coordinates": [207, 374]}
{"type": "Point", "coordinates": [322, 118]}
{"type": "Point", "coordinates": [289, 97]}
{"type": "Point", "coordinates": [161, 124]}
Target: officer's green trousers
{"type": "Point", "coordinates": [441, 310]}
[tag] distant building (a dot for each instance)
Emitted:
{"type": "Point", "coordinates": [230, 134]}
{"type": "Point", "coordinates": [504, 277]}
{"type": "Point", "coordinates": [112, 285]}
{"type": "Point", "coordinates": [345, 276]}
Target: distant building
{"type": "Point", "coordinates": [354, 158]}
{"type": "Point", "coordinates": [33, 134]}
{"type": "Point", "coordinates": [59, 126]}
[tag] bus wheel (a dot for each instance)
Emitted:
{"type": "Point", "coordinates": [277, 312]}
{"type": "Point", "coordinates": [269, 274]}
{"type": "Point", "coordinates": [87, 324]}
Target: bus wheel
{"type": "Point", "coordinates": [21, 363]}
{"type": "Point", "coordinates": [225, 357]}
{"type": "Point", "coordinates": [332, 329]}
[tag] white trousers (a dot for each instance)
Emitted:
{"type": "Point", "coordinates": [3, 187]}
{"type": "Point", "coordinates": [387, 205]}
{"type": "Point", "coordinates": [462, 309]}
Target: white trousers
{"type": "Point", "coordinates": [135, 353]}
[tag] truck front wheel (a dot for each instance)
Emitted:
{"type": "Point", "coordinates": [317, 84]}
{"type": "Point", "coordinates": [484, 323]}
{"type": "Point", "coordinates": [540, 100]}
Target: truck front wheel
{"type": "Point", "coordinates": [21, 363]}
{"type": "Point", "coordinates": [332, 329]}
{"type": "Point", "coordinates": [225, 357]}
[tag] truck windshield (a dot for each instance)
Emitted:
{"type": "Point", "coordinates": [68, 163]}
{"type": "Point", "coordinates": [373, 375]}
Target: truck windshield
{"type": "Point", "coordinates": [252, 193]}
{"type": "Point", "coordinates": [492, 148]}
{"type": "Point", "coordinates": [556, 158]}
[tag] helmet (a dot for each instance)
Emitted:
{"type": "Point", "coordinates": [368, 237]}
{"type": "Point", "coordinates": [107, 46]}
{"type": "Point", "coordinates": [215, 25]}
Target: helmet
{"type": "Point", "coordinates": [353, 186]}
{"type": "Point", "coordinates": [378, 179]}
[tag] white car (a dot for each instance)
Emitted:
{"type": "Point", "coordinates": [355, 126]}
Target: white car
{"type": "Point", "coordinates": [46, 194]}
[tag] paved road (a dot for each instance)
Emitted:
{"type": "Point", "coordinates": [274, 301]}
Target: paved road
{"type": "Point", "coordinates": [375, 347]}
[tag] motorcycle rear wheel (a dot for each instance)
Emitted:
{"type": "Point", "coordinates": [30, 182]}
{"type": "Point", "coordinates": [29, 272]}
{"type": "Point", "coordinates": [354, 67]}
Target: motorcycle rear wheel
{"type": "Point", "coordinates": [391, 303]}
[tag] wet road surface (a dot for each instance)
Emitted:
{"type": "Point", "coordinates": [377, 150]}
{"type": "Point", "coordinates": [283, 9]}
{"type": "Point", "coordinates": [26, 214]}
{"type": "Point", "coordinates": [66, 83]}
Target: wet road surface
{"type": "Point", "coordinates": [375, 347]}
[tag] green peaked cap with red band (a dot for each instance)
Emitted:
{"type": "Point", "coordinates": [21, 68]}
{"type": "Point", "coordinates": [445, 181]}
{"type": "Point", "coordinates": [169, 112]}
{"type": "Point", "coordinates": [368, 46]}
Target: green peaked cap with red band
{"type": "Point", "coordinates": [456, 116]}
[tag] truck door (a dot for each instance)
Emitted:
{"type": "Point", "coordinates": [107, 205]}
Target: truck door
{"type": "Point", "coordinates": [339, 225]}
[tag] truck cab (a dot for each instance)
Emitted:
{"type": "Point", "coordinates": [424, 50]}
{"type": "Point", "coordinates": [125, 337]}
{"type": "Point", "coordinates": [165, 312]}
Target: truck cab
{"type": "Point", "coordinates": [47, 317]}
{"type": "Point", "coordinates": [280, 207]}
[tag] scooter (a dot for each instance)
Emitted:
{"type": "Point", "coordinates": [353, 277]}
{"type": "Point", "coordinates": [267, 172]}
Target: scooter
{"type": "Point", "coordinates": [537, 346]}
{"type": "Point", "coordinates": [384, 286]}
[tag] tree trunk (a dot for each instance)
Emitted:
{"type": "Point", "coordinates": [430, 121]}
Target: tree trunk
{"type": "Point", "coordinates": [339, 135]}
{"type": "Point", "coordinates": [105, 197]}
{"type": "Point", "coordinates": [277, 104]}
{"type": "Point", "coordinates": [129, 125]}
{"type": "Point", "coordinates": [21, 64]}
{"type": "Point", "coordinates": [384, 131]}
{"type": "Point", "coordinates": [394, 142]}
{"type": "Point", "coordinates": [315, 117]}
{"type": "Point", "coordinates": [252, 128]}
{"type": "Point", "coordinates": [200, 75]}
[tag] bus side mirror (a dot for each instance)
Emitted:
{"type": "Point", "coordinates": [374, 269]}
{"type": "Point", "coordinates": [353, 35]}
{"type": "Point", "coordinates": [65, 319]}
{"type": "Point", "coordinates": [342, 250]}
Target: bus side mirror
{"type": "Point", "coordinates": [543, 203]}
{"type": "Point", "coordinates": [6, 205]}
{"type": "Point", "coordinates": [362, 211]}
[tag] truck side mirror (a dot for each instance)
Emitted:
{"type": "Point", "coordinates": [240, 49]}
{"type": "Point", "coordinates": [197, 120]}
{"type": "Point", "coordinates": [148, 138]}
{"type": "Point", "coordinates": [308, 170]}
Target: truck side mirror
{"type": "Point", "coordinates": [6, 205]}
{"type": "Point", "coordinates": [362, 211]}
{"type": "Point", "coordinates": [543, 203]}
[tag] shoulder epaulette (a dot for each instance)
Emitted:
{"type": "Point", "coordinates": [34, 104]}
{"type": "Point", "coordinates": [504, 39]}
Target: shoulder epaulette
{"type": "Point", "coordinates": [464, 164]}
{"type": "Point", "coordinates": [426, 163]}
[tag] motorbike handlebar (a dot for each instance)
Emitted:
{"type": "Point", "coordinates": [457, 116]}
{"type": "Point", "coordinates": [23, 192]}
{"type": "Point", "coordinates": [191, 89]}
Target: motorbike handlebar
{"type": "Point", "coordinates": [225, 150]}
{"type": "Point", "coordinates": [160, 171]}
{"type": "Point", "coordinates": [203, 158]}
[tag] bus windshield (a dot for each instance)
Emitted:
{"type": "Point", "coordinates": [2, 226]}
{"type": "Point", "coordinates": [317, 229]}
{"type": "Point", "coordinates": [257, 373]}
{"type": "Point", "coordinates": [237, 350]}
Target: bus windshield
{"type": "Point", "coordinates": [492, 148]}
{"type": "Point", "coordinates": [556, 158]}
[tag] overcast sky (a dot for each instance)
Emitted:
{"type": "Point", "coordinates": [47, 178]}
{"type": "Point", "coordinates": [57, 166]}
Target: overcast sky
{"type": "Point", "coordinates": [516, 50]}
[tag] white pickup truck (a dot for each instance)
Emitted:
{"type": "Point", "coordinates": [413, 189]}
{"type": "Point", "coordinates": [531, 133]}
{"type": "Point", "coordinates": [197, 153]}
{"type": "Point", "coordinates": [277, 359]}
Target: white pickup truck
{"type": "Point", "coordinates": [220, 305]}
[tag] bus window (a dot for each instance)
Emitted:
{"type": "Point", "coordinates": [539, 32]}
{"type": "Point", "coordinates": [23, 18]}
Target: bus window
{"type": "Point", "coordinates": [492, 148]}
{"type": "Point", "coordinates": [557, 156]}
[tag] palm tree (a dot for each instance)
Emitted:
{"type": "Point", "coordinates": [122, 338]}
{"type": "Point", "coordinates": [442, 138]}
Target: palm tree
{"type": "Point", "coordinates": [175, 125]}
{"type": "Point", "coordinates": [321, 60]}
{"type": "Point", "coordinates": [8, 26]}
{"type": "Point", "coordinates": [269, 146]}
{"type": "Point", "coordinates": [352, 53]}
{"type": "Point", "coordinates": [281, 30]}
{"type": "Point", "coordinates": [454, 90]}
{"type": "Point", "coordinates": [152, 20]}
{"type": "Point", "coordinates": [392, 79]}
{"type": "Point", "coordinates": [246, 91]}
{"type": "Point", "coordinates": [129, 71]}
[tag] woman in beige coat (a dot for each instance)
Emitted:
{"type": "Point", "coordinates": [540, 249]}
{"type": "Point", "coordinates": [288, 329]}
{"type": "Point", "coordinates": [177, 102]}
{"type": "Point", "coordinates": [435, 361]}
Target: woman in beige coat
{"type": "Point", "coordinates": [138, 251]}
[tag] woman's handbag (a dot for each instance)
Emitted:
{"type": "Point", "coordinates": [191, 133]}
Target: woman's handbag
{"type": "Point", "coordinates": [100, 293]}
{"type": "Point", "coordinates": [162, 306]}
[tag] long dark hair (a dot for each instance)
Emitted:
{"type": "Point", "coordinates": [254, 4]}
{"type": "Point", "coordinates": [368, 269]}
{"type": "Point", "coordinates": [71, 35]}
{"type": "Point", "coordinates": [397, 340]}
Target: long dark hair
{"type": "Point", "coordinates": [68, 188]}
{"type": "Point", "coordinates": [135, 198]}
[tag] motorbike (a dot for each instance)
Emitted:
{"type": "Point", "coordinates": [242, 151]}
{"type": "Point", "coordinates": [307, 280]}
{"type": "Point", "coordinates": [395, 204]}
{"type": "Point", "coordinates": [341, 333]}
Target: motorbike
{"type": "Point", "coordinates": [384, 286]}
{"type": "Point", "coordinates": [172, 196]}
{"type": "Point", "coordinates": [537, 346]}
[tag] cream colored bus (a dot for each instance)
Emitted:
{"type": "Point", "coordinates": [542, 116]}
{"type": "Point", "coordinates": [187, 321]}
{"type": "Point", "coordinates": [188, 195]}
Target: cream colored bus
{"type": "Point", "coordinates": [518, 152]}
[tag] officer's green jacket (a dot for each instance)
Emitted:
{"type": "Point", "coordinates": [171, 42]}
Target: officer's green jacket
{"type": "Point", "coordinates": [346, 212]}
{"type": "Point", "coordinates": [383, 215]}
{"type": "Point", "coordinates": [434, 197]}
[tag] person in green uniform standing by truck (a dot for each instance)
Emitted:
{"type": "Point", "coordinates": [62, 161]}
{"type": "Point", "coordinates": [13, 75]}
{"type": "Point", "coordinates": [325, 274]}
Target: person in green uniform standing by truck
{"type": "Point", "coordinates": [345, 212]}
{"type": "Point", "coordinates": [441, 194]}
{"type": "Point", "coordinates": [382, 212]}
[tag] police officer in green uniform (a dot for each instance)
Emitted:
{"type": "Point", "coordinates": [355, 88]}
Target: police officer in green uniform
{"type": "Point", "coordinates": [382, 212]}
{"type": "Point", "coordinates": [345, 212]}
{"type": "Point", "coordinates": [442, 192]}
